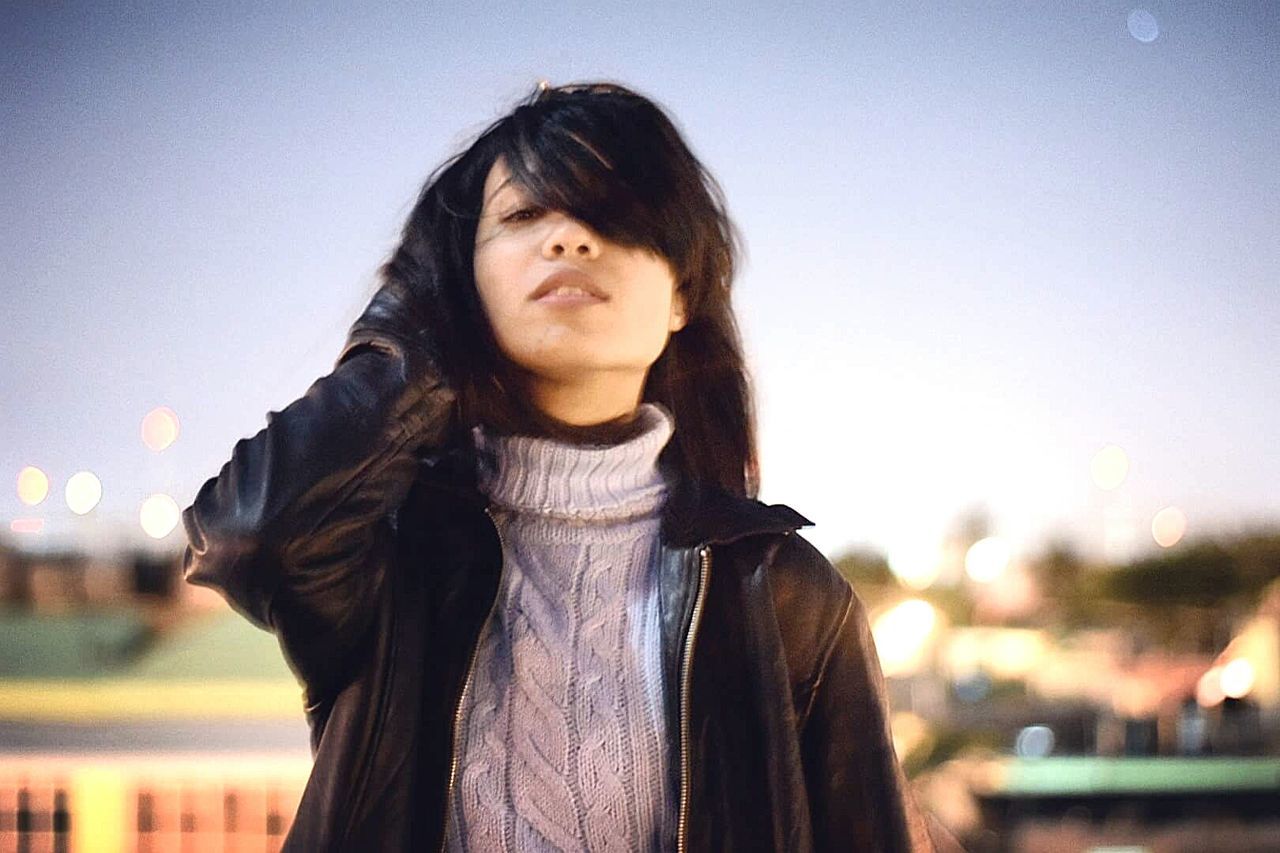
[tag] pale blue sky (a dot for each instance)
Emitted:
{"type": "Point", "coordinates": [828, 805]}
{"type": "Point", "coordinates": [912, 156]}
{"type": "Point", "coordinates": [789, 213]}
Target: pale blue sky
{"type": "Point", "coordinates": [984, 240]}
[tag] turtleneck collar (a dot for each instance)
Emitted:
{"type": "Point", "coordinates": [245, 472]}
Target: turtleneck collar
{"type": "Point", "coordinates": [583, 483]}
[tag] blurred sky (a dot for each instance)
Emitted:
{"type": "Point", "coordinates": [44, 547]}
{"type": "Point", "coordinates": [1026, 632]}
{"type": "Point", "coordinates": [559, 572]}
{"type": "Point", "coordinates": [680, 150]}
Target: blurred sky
{"type": "Point", "coordinates": [984, 240]}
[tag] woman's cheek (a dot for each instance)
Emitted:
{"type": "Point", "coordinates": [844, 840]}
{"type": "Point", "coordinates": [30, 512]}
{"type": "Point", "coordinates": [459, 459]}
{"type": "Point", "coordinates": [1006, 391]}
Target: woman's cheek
{"type": "Point", "coordinates": [495, 296]}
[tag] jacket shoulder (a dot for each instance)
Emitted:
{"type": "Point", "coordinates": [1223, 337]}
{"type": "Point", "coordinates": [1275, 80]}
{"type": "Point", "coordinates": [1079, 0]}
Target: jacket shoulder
{"type": "Point", "coordinates": [812, 602]}
{"type": "Point", "coordinates": [804, 571]}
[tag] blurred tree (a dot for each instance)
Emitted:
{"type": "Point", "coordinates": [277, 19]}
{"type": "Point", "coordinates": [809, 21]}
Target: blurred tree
{"type": "Point", "coordinates": [1186, 598]}
{"type": "Point", "coordinates": [1203, 574]}
{"type": "Point", "coordinates": [868, 571]}
{"type": "Point", "coordinates": [1257, 561]}
{"type": "Point", "coordinates": [864, 566]}
{"type": "Point", "coordinates": [1064, 579]}
{"type": "Point", "coordinates": [1059, 570]}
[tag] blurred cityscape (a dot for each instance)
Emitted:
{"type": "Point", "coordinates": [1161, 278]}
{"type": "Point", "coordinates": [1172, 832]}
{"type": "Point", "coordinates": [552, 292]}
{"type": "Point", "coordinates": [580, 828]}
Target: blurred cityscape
{"type": "Point", "coordinates": [137, 712]}
{"type": "Point", "coordinates": [985, 240]}
{"type": "Point", "coordinates": [1046, 702]}
{"type": "Point", "coordinates": [1059, 703]}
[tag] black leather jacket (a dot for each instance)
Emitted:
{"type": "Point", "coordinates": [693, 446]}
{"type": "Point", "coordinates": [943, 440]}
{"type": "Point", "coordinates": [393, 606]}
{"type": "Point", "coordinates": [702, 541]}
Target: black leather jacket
{"type": "Point", "coordinates": [351, 527]}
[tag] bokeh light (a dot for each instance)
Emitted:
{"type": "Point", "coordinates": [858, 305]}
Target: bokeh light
{"type": "Point", "coordinates": [1109, 467]}
{"type": "Point", "coordinates": [160, 428]}
{"type": "Point", "coordinates": [1168, 527]}
{"type": "Point", "coordinates": [83, 492]}
{"type": "Point", "coordinates": [987, 559]}
{"type": "Point", "coordinates": [1209, 688]}
{"type": "Point", "coordinates": [159, 516]}
{"type": "Point", "coordinates": [1237, 678]}
{"type": "Point", "coordinates": [902, 634]}
{"type": "Point", "coordinates": [1143, 26]}
{"type": "Point", "coordinates": [1015, 654]}
{"type": "Point", "coordinates": [33, 485]}
{"type": "Point", "coordinates": [1034, 742]}
{"type": "Point", "coordinates": [910, 732]}
{"type": "Point", "coordinates": [916, 566]}
{"type": "Point", "coordinates": [27, 525]}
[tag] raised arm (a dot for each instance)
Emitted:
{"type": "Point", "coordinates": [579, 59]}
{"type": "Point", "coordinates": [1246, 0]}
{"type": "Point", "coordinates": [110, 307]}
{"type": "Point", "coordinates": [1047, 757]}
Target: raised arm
{"type": "Point", "coordinates": [295, 530]}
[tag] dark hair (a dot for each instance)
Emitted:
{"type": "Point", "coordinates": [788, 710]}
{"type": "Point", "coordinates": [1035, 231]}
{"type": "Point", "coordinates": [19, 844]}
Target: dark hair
{"type": "Point", "coordinates": [611, 158]}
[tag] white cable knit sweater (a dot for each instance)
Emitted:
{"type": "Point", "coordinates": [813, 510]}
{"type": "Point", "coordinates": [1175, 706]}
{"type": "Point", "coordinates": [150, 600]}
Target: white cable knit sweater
{"type": "Point", "coordinates": [562, 743]}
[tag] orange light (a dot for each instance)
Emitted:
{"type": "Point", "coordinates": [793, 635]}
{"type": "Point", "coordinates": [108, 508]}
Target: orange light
{"type": "Point", "coordinates": [917, 567]}
{"type": "Point", "coordinates": [160, 428]}
{"type": "Point", "coordinates": [1209, 688]}
{"type": "Point", "coordinates": [902, 635]}
{"type": "Point", "coordinates": [1168, 527]}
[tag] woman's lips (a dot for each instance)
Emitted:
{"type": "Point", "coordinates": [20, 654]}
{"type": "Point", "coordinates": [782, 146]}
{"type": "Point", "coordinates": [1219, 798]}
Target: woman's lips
{"type": "Point", "coordinates": [568, 287]}
{"type": "Point", "coordinates": [564, 297]}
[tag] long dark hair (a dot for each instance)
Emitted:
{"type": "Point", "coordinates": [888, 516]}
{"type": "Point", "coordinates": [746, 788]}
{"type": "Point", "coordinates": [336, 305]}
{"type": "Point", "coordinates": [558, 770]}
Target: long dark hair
{"type": "Point", "coordinates": [611, 158]}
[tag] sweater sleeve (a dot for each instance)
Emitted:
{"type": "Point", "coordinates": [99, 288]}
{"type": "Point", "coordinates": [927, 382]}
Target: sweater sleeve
{"type": "Point", "coordinates": [295, 530]}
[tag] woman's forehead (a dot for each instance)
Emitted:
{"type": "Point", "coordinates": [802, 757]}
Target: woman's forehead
{"type": "Point", "coordinates": [498, 179]}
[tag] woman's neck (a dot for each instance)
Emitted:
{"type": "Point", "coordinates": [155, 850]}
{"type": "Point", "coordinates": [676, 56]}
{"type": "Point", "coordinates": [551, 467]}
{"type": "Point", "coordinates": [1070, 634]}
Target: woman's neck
{"type": "Point", "coordinates": [571, 417]}
{"type": "Point", "coordinates": [589, 400]}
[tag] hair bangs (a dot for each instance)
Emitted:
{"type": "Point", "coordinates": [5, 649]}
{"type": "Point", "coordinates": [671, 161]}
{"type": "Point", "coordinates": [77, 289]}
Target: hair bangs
{"type": "Point", "coordinates": [610, 168]}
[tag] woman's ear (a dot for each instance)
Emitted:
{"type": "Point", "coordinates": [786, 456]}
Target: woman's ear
{"type": "Point", "coordinates": [678, 316]}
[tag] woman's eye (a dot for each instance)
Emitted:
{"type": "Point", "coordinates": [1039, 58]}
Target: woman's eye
{"type": "Point", "coordinates": [522, 214]}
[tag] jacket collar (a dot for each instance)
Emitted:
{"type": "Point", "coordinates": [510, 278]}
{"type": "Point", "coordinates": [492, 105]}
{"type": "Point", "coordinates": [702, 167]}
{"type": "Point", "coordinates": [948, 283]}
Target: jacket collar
{"type": "Point", "coordinates": [698, 514]}
{"type": "Point", "coordinates": [694, 514]}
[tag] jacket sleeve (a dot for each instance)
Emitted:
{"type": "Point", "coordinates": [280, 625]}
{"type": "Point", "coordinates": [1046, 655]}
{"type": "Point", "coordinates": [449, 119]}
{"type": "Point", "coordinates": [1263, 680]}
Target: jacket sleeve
{"type": "Point", "coordinates": [295, 530]}
{"type": "Point", "coordinates": [859, 797]}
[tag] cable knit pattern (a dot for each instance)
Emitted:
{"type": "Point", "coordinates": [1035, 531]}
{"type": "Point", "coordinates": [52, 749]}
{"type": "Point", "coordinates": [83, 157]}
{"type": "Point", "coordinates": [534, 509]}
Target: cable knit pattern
{"type": "Point", "coordinates": [562, 741]}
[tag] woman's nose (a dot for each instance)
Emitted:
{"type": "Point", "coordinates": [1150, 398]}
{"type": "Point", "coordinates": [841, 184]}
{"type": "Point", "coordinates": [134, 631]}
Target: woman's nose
{"type": "Point", "coordinates": [570, 238]}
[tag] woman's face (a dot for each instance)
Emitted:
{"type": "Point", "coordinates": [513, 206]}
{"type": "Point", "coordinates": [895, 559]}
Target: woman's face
{"type": "Point", "coordinates": [566, 305]}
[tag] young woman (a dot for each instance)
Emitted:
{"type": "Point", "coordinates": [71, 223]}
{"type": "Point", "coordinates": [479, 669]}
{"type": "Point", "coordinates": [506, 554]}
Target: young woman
{"type": "Point", "coordinates": [510, 544]}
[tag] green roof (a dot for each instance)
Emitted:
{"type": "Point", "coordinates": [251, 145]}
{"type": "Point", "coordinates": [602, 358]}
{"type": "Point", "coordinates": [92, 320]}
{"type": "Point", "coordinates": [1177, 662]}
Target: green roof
{"type": "Point", "coordinates": [69, 645]}
{"type": "Point", "coordinates": [1083, 776]}
{"type": "Point", "coordinates": [221, 645]}
{"type": "Point", "coordinates": [120, 644]}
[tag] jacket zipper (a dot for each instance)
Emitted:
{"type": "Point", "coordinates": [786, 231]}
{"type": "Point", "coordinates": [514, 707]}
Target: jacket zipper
{"type": "Point", "coordinates": [466, 686]}
{"type": "Point", "coordinates": [704, 574]}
